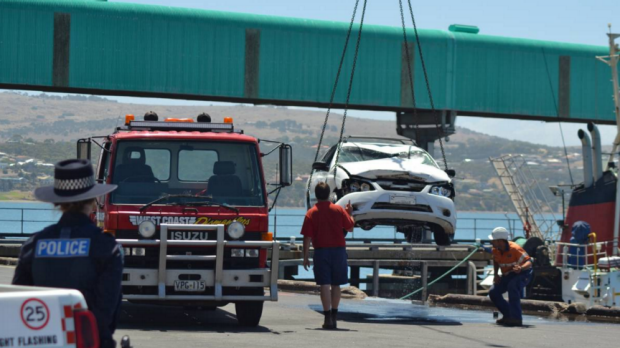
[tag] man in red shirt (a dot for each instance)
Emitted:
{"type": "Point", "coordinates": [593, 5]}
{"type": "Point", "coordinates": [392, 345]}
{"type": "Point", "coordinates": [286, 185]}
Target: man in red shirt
{"type": "Point", "coordinates": [325, 225]}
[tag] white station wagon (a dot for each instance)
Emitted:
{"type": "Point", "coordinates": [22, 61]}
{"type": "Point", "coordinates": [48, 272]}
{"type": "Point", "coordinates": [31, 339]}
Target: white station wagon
{"type": "Point", "coordinates": [390, 182]}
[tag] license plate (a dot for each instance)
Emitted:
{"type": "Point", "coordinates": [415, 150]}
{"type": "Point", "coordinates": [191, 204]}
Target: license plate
{"type": "Point", "coordinates": [188, 235]}
{"type": "Point", "coordinates": [190, 285]}
{"type": "Point", "coordinates": [407, 200]}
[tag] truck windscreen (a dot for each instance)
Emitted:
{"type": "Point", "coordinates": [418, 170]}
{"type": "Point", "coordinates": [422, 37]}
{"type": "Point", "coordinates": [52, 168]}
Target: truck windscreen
{"type": "Point", "coordinates": [228, 172]}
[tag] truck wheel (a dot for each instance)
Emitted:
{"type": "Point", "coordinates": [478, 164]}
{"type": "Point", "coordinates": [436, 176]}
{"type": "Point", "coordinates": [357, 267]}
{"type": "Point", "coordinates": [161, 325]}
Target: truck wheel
{"type": "Point", "coordinates": [249, 313]}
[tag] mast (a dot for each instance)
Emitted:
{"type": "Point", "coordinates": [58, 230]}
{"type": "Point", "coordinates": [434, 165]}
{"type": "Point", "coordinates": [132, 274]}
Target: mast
{"type": "Point", "coordinates": [612, 61]}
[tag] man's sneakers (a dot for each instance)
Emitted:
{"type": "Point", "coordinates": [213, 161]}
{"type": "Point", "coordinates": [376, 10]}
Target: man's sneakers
{"type": "Point", "coordinates": [509, 322]}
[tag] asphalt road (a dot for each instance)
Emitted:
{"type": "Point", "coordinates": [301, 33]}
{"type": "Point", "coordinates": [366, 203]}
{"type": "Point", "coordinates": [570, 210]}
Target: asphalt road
{"type": "Point", "coordinates": [294, 321]}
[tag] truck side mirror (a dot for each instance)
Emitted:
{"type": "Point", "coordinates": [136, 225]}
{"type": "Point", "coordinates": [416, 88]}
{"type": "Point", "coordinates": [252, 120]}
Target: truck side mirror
{"type": "Point", "coordinates": [83, 149]}
{"type": "Point", "coordinates": [320, 166]}
{"type": "Point", "coordinates": [286, 165]}
{"type": "Point", "coordinates": [451, 173]}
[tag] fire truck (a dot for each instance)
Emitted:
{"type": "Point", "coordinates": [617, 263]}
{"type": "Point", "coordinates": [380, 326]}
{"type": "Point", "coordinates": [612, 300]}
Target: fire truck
{"type": "Point", "coordinates": [191, 211]}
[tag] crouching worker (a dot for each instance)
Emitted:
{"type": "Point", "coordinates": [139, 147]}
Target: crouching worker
{"type": "Point", "coordinates": [325, 225]}
{"type": "Point", "coordinates": [74, 253]}
{"type": "Point", "coordinates": [516, 274]}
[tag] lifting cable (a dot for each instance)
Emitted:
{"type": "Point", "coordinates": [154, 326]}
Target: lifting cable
{"type": "Point", "coordinates": [428, 85]}
{"type": "Point", "coordinates": [557, 113]}
{"type": "Point", "coordinates": [346, 105]}
{"type": "Point", "coordinates": [331, 100]}
{"type": "Point", "coordinates": [350, 88]}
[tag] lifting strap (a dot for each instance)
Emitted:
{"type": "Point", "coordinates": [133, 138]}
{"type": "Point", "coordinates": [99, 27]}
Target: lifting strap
{"type": "Point", "coordinates": [440, 131]}
{"type": "Point", "coordinates": [350, 87]}
{"type": "Point", "coordinates": [331, 100]}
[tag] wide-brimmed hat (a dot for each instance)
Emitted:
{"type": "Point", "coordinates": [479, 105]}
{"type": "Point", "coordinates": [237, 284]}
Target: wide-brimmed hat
{"type": "Point", "coordinates": [74, 181]}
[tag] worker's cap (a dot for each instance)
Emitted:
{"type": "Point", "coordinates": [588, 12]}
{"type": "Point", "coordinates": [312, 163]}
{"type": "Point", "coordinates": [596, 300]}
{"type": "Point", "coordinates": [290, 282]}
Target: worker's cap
{"type": "Point", "coordinates": [499, 233]}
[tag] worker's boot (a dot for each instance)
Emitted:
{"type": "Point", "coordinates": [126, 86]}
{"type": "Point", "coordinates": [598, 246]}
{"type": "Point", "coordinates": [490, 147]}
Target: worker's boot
{"type": "Point", "coordinates": [328, 324]}
{"type": "Point", "coordinates": [335, 317]}
{"type": "Point", "coordinates": [501, 321]}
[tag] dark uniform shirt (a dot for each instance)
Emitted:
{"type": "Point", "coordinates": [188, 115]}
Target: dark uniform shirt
{"type": "Point", "coordinates": [76, 254]}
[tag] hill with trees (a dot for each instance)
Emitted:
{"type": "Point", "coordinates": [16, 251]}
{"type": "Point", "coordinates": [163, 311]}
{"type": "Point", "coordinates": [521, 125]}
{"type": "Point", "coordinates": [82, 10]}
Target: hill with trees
{"type": "Point", "coordinates": [46, 127]}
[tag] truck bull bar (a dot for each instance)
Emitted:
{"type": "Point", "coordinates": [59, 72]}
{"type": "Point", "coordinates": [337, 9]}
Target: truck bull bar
{"type": "Point", "coordinates": [216, 278]}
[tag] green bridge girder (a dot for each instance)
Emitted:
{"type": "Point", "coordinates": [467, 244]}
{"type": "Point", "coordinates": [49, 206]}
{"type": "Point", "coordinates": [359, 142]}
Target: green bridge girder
{"type": "Point", "coordinates": [88, 46]}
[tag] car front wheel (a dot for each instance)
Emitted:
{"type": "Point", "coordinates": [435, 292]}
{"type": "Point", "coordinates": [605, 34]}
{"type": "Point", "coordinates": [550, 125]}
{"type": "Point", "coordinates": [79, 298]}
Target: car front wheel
{"type": "Point", "coordinates": [441, 237]}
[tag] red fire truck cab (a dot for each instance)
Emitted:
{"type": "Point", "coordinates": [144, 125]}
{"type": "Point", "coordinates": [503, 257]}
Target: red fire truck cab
{"type": "Point", "coordinates": [191, 211]}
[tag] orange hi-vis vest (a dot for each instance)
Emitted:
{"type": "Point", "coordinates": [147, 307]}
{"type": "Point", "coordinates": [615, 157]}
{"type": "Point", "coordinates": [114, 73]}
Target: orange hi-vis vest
{"type": "Point", "coordinates": [515, 255]}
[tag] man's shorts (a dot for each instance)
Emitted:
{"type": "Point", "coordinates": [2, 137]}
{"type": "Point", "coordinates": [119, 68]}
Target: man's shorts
{"type": "Point", "coordinates": [330, 266]}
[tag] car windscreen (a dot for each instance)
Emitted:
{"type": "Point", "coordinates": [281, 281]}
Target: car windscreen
{"type": "Point", "coordinates": [353, 153]}
{"type": "Point", "coordinates": [226, 172]}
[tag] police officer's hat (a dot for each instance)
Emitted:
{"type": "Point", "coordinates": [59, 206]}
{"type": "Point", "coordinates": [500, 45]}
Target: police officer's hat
{"type": "Point", "coordinates": [74, 181]}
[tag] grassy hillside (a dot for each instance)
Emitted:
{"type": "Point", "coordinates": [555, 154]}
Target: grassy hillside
{"type": "Point", "coordinates": [45, 127]}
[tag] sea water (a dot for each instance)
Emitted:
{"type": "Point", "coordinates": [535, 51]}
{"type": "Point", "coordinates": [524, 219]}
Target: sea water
{"type": "Point", "coordinates": [31, 217]}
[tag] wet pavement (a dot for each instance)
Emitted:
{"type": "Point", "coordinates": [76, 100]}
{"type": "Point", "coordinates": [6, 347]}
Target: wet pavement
{"type": "Point", "coordinates": [295, 320]}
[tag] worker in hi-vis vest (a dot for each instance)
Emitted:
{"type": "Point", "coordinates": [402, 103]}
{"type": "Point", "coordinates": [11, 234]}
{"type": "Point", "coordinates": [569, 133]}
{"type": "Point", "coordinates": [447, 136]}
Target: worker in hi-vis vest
{"type": "Point", "coordinates": [516, 269]}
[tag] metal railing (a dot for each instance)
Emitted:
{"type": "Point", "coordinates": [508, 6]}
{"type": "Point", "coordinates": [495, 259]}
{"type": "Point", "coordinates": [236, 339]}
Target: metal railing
{"type": "Point", "coordinates": [21, 222]}
{"type": "Point", "coordinates": [475, 228]}
{"type": "Point", "coordinates": [582, 255]}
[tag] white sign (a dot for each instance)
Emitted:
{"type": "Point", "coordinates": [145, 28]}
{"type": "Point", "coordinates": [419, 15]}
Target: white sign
{"type": "Point", "coordinates": [31, 322]}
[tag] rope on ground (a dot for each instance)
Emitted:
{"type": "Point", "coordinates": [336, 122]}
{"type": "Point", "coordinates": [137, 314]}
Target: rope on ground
{"type": "Point", "coordinates": [443, 275]}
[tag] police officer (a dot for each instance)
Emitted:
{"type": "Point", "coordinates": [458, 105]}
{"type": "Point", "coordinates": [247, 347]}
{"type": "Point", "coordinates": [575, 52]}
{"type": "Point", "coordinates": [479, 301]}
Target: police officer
{"type": "Point", "coordinates": [74, 253]}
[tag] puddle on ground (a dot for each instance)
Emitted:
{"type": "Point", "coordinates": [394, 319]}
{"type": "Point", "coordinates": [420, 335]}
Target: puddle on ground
{"type": "Point", "coordinates": [376, 310]}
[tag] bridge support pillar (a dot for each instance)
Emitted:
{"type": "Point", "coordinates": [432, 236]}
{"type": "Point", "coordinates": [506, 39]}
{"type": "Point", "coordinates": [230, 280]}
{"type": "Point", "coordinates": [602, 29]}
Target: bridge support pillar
{"type": "Point", "coordinates": [426, 122]}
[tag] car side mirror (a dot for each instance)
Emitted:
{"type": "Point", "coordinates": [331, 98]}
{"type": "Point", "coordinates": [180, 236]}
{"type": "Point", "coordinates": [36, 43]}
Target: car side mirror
{"type": "Point", "coordinates": [320, 166]}
{"type": "Point", "coordinates": [451, 173]}
{"type": "Point", "coordinates": [83, 149]}
{"type": "Point", "coordinates": [286, 165]}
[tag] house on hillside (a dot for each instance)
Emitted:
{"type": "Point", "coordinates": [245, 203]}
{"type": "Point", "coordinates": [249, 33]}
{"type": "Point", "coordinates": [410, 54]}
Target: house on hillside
{"type": "Point", "coordinates": [45, 180]}
{"type": "Point", "coordinates": [8, 183]}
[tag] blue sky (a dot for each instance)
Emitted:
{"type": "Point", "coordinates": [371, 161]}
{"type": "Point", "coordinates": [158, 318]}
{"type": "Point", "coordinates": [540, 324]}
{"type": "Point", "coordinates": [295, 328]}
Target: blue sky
{"type": "Point", "coordinates": [573, 21]}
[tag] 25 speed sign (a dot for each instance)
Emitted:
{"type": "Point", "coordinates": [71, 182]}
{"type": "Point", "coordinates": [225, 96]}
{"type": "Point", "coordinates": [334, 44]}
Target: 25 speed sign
{"type": "Point", "coordinates": [35, 314]}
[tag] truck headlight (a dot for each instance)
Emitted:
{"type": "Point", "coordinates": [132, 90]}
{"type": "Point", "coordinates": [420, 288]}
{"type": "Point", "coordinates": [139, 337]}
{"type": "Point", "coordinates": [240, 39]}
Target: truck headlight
{"type": "Point", "coordinates": [235, 230]}
{"type": "Point", "coordinates": [147, 229]}
{"type": "Point", "coordinates": [251, 252]}
{"type": "Point", "coordinates": [443, 191]}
